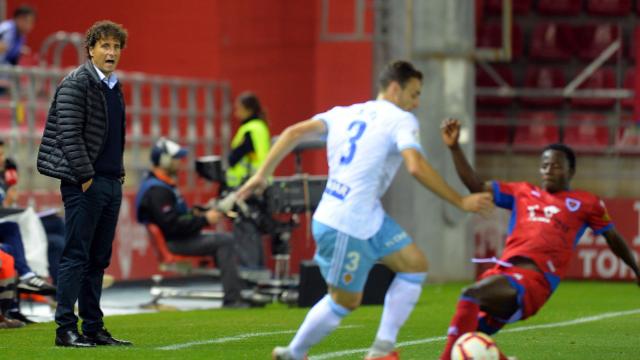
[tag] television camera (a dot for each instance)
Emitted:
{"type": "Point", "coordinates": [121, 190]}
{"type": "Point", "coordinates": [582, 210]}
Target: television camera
{"type": "Point", "coordinates": [275, 213]}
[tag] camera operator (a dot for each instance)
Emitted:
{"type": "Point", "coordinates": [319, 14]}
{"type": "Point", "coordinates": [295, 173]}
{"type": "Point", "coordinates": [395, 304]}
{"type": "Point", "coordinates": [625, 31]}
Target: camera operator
{"type": "Point", "coordinates": [159, 201]}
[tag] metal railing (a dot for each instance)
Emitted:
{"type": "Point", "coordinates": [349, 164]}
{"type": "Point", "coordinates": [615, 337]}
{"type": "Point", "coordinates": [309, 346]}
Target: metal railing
{"type": "Point", "coordinates": [193, 112]}
{"type": "Point", "coordinates": [58, 41]}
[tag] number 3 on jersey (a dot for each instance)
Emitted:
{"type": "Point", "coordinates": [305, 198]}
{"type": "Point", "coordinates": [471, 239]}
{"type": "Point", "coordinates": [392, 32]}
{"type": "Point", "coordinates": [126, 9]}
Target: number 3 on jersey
{"type": "Point", "coordinates": [359, 127]}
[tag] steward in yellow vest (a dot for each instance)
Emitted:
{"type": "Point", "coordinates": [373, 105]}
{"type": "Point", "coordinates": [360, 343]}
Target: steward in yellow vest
{"type": "Point", "coordinates": [250, 145]}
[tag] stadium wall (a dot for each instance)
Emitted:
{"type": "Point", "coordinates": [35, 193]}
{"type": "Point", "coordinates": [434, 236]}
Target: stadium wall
{"type": "Point", "coordinates": [270, 47]}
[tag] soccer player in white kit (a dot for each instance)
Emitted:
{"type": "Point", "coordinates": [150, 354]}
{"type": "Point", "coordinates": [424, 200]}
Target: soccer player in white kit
{"type": "Point", "coordinates": [366, 144]}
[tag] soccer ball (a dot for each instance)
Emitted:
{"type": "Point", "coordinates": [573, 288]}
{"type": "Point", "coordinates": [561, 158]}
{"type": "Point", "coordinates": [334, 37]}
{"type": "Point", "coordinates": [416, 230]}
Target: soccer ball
{"type": "Point", "coordinates": [475, 346]}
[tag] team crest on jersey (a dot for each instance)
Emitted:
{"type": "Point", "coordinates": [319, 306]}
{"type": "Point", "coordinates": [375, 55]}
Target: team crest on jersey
{"type": "Point", "coordinates": [347, 278]}
{"type": "Point", "coordinates": [572, 204]}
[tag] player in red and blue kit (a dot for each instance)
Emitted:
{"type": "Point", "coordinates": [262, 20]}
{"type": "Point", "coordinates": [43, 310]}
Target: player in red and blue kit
{"type": "Point", "coordinates": [546, 224]}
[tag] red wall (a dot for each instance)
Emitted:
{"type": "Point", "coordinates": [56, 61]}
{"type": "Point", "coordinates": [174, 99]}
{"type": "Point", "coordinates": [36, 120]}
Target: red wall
{"type": "Point", "coordinates": [269, 46]}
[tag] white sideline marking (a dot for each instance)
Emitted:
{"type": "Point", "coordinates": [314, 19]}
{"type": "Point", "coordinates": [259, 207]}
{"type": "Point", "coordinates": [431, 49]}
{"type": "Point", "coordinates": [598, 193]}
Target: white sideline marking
{"type": "Point", "coordinates": [582, 320]}
{"type": "Point", "coordinates": [237, 338]}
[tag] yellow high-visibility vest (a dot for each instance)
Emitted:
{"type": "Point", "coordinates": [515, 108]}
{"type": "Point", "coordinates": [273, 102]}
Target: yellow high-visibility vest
{"type": "Point", "coordinates": [249, 163]}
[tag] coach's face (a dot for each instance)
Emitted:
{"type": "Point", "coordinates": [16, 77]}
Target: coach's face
{"type": "Point", "coordinates": [555, 171]}
{"type": "Point", "coordinates": [105, 54]}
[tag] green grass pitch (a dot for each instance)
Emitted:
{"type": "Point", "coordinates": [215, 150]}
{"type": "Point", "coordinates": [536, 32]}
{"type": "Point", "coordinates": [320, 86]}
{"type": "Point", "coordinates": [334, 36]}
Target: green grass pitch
{"type": "Point", "coordinates": [583, 320]}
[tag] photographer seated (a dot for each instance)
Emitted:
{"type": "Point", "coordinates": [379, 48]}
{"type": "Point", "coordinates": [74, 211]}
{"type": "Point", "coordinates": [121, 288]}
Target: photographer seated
{"type": "Point", "coordinates": [159, 202]}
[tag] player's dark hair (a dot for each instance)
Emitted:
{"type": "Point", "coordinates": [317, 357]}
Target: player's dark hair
{"type": "Point", "coordinates": [399, 71]}
{"type": "Point", "coordinates": [24, 10]}
{"type": "Point", "coordinates": [102, 30]}
{"type": "Point", "coordinates": [568, 153]}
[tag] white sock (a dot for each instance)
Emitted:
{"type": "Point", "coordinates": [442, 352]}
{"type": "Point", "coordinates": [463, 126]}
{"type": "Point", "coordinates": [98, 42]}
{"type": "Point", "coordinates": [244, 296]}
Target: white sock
{"type": "Point", "coordinates": [321, 320]}
{"type": "Point", "coordinates": [399, 301]}
{"type": "Point", "coordinates": [28, 275]}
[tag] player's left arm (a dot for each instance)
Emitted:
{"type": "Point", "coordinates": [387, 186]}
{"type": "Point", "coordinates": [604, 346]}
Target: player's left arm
{"type": "Point", "coordinates": [287, 141]}
{"type": "Point", "coordinates": [619, 246]}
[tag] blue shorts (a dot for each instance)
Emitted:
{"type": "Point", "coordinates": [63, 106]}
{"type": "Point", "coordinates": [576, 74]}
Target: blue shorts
{"type": "Point", "coordinates": [345, 261]}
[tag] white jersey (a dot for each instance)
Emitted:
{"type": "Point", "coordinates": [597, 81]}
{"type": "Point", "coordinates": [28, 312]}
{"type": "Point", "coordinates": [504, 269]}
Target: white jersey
{"type": "Point", "coordinates": [364, 142]}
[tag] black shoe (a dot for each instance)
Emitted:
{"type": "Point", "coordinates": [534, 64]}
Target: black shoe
{"type": "Point", "coordinates": [36, 285]}
{"type": "Point", "coordinates": [71, 338]}
{"type": "Point", "coordinates": [17, 315]}
{"type": "Point", "coordinates": [102, 337]}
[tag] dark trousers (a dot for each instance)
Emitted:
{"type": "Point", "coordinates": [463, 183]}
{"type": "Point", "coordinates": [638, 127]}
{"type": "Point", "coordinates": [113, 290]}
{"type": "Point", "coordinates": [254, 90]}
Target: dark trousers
{"type": "Point", "coordinates": [220, 246]}
{"type": "Point", "coordinates": [90, 224]}
{"type": "Point", "coordinates": [248, 243]}
{"type": "Point", "coordinates": [12, 244]}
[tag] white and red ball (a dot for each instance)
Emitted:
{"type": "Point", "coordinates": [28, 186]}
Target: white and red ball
{"type": "Point", "coordinates": [475, 346]}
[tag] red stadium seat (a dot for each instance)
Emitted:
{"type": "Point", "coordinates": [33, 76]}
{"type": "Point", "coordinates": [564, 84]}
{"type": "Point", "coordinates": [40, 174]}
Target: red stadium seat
{"type": "Point", "coordinates": [489, 35]}
{"type": "Point", "coordinates": [520, 7]}
{"type": "Point", "coordinates": [593, 39]}
{"type": "Point", "coordinates": [492, 131]}
{"type": "Point", "coordinates": [484, 80]}
{"type": "Point", "coordinates": [629, 84]}
{"type": "Point", "coordinates": [628, 137]}
{"type": "Point", "coordinates": [552, 41]}
{"type": "Point", "coordinates": [164, 256]}
{"type": "Point", "coordinates": [603, 78]}
{"type": "Point", "coordinates": [535, 130]}
{"type": "Point", "coordinates": [586, 132]}
{"type": "Point", "coordinates": [560, 7]}
{"type": "Point", "coordinates": [543, 78]}
{"type": "Point", "coordinates": [609, 7]}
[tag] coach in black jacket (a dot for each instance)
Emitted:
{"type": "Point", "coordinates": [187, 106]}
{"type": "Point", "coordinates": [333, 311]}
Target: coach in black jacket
{"type": "Point", "coordinates": [83, 146]}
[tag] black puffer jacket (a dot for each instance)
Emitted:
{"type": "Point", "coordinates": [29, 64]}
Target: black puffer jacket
{"type": "Point", "coordinates": [76, 128]}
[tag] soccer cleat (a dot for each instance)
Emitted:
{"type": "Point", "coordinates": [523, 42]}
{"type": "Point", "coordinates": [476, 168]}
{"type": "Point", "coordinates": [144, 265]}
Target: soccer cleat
{"type": "Point", "coordinates": [390, 356]}
{"type": "Point", "coordinates": [283, 353]}
{"type": "Point", "coordinates": [36, 285]}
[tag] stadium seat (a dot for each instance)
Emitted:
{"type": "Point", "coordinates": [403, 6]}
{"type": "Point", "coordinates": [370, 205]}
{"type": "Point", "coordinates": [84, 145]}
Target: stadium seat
{"type": "Point", "coordinates": [586, 132]}
{"type": "Point", "coordinates": [489, 35]}
{"type": "Point", "coordinates": [559, 7]}
{"type": "Point", "coordinates": [552, 41]}
{"type": "Point", "coordinates": [628, 137]}
{"type": "Point", "coordinates": [492, 131]}
{"type": "Point", "coordinates": [543, 78]}
{"type": "Point", "coordinates": [593, 39]}
{"type": "Point", "coordinates": [169, 261]}
{"type": "Point", "coordinates": [629, 84]}
{"type": "Point", "coordinates": [534, 130]}
{"type": "Point", "coordinates": [484, 80]}
{"type": "Point", "coordinates": [520, 7]}
{"type": "Point", "coordinates": [603, 78]}
{"type": "Point", "coordinates": [609, 7]}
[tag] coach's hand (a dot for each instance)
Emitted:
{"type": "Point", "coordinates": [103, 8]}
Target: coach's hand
{"type": "Point", "coordinates": [86, 185]}
{"type": "Point", "coordinates": [481, 203]}
{"type": "Point", "coordinates": [450, 132]}
{"type": "Point", "coordinates": [255, 185]}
